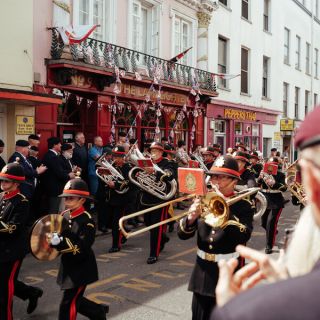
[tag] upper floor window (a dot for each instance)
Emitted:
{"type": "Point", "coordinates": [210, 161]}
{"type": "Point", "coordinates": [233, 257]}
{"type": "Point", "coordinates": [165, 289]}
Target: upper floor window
{"type": "Point", "coordinates": [285, 99]}
{"type": "Point", "coordinates": [265, 77]}
{"type": "Point", "coordinates": [315, 99]}
{"type": "Point", "coordinates": [222, 60]}
{"type": "Point", "coordinates": [225, 2]}
{"type": "Point", "coordinates": [308, 58]}
{"type": "Point", "coordinates": [296, 102]}
{"type": "Point", "coordinates": [316, 8]}
{"type": "Point", "coordinates": [306, 102]}
{"type": "Point", "coordinates": [145, 27]}
{"type": "Point", "coordinates": [298, 50]}
{"type": "Point", "coordinates": [245, 9]}
{"type": "Point", "coordinates": [183, 38]}
{"type": "Point", "coordinates": [244, 70]}
{"type": "Point", "coordinates": [316, 57]}
{"type": "Point", "coordinates": [266, 22]}
{"type": "Point", "coordinates": [286, 56]}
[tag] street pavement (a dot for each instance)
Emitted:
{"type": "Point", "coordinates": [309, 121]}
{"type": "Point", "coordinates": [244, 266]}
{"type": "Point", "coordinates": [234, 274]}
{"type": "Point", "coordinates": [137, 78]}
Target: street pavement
{"type": "Point", "coordinates": [132, 288]}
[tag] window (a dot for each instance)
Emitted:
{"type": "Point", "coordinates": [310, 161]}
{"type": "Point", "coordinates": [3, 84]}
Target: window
{"type": "Point", "coordinates": [145, 27]}
{"type": "Point", "coordinates": [315, 99]}
{"type": "Point", "coordinates": [316, 57]}
{"type": "Point", "coordinates": [286, 46]}
{"type": "Point", "coordinates": [183, 38]}
{"type": "Point", "coordinates": [244, 70]}
{"type": "Point", "coordinates": [245, 9]}
{"type": "Point", "coordinates": [285, 99]}
{"type": "Point", "coordinates": [222, 60]}
{"type": "Point", "coordinates": [266, 15]}
{"type": "Point", "coordinates": [265, 77]}
{"type": "Point", "coordinates": [317, 9]}
{"type": "Point", "coordinates": [225, 2]}
{"type": "Point", "coordinates": [298, 48]}
{"type": "Point", "coordinates": [306, 102]}
{"type": "Point", "coordinates": [296, 102]}
{"type": "Point", "coordinates": [307, 58]}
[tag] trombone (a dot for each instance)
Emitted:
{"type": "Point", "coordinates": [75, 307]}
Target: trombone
{"type": "Point", "coordinates": [214, 208]}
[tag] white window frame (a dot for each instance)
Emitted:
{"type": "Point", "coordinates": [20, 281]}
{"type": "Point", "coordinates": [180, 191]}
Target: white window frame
{"type": "Point", "coordinates": [193, 22]}
{"type": "Point", "coordinates": [265, 78]}
{"type": "Point", "coordinates": [308, 55]}
{"type": "Point", "coordinates": [222, 83]}
{"type": "Point", "coordinates": [298, 53]}
{"type": "Point", "coordinates": [151, 5]}
{"type": "Point", "coordinates": [285, 99]}
{"type": "Point", "coordinates": [306, 101]}
{"type": "Point", "coordinates": [248, 4]}
{"type": "Point", "coordinates": [296, 102]}
{"type": "Point", "coordinates": [316, 63]}
{"type": "Point", "coordinates": [286, 46]}
{"type": "Point", "coordinates": [247, 71]}
{"type": "Point", "coordinates": [109, 16]}
{"type": "Point", "coordinates": [266, 15]}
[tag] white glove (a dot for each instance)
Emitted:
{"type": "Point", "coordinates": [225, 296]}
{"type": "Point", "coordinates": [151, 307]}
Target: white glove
{"type": "Point", "coordinates": [55, 239]}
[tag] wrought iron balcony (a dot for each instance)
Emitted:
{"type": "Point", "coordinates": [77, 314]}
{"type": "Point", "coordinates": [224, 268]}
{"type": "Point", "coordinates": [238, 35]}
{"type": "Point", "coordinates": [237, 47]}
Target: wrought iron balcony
{"type": "Point", "coordinates": [107, 55]}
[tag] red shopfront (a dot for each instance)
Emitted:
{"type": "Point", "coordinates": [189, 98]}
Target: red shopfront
{"type": "Point", "coordinates": [230, 123]}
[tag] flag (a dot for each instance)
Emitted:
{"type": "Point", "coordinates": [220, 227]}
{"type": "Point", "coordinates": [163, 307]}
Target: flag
{"type": "Point", "coordinates": [180, 55]}
{"type": "Point", "coordinates": [226, 76]}
{"type": "Point", "coordinates": [71, 35]}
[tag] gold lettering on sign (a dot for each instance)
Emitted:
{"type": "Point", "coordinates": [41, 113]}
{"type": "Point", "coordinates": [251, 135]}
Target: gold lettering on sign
{"type": "Point", "coordinates": [240, 114]}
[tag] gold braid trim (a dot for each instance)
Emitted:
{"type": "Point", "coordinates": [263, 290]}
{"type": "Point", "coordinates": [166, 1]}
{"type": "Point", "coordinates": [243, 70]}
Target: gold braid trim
{"type": "Point", "coordinates": [184, 230]}
{"type": "Point", "coordinates": [7, 228]}
{"type": "Point", "coordinates": [72, 248]}
{"type": "Point", "coordinates": [90, 225]}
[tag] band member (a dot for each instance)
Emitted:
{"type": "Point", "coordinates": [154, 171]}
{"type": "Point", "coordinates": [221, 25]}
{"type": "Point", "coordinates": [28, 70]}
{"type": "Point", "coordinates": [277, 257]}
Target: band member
{"type": "Point", "coordinates": [14, 215]}
{"type": "Point", "coordinates": [157, 237]}
{"type": "Point", "coordinates": [2, 162]}
{"type": "Point", "coordinates": [117, 195]}
{"type": "Point", "coordinates": [209, 156]}
{"type": "Point", "coordinates": [215, 243]}
{"type": "Point", "coordinates": [78, 266]}
{"type": "Point", "coordinates": [241, 147]}
{"type": "Point", "coordinates": [256, 167]}
{"type": "Point", "coordinates": [246, 175]}
{"type": "Point", "coordinates": [272, 187]}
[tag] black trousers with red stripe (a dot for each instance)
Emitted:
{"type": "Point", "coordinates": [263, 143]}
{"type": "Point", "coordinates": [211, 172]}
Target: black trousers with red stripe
{"type": "Point", "coordinates": [156, 234]}
{"type": "Point", "coordinates": [8, 276]}
{"type": "Point", "coordinates": [73, 302]}
{"type": "Point", "coordinates": [116, 212]}
{"type": "Point", "coordinates": [269, 221]}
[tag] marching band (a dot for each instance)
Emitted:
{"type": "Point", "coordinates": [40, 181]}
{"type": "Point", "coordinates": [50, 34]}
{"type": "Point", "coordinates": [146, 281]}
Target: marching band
{"type": "Point", "coordinates": [129, 181]}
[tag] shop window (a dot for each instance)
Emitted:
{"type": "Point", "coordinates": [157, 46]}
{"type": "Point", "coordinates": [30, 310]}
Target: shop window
{"type": "Point", "coordinates": [238, 128]}
{"type": "Point", "coordinates": [220, 126]}
{"type": "Point", "coordinates": [179, 123]}
{"type": "Point", "coordinates": [125, 119]}
{"type": "Point", "coordinates": [237, 140]}
{"type": "Point", "coordinates": [247, 129]}
{"type": "Point", "coordinates": [247, 141]}
{"type": "Point", "coordinates": [69, 112]}
{"type": "Point", "coordinates": [255, 144]}
{"type": "Point", "coordinates": [255, 130]}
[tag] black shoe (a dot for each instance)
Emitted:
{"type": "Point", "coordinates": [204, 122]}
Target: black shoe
{"type": "Point", "coordinates": [152, 260]}
{"type": "Point", "coordinates": [33, 299]}
{"type": "Point", "coordinates": [112, 250]}
{"type": "Point", "coordinates": [268, 250]}
{"type": "Point", "coordinates": [123, 240]}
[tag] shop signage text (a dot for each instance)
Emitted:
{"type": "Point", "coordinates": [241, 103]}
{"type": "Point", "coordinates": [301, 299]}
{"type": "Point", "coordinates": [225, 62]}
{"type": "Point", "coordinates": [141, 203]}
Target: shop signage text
{"type": "Point", "coordinates": [240, 114]}
{"type": "Point", "coordinates": [286, 124]}
{"type": "Point", "coordinates": [25, 125]}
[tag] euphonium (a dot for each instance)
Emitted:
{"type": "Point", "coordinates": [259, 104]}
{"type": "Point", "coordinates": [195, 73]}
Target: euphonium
{"type": "Point", "coordinates": [148, 182]}
{"type": "Point", "coordinates": [295, 187]}
{"type": "Point", "coordinates": [107, 173]}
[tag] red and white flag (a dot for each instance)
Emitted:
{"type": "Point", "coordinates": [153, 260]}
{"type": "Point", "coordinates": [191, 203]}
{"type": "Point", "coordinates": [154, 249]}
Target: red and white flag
{"type": "Point", "coordinates": [226, 76]}
{"type": "Point", "coordinates": [77, 34]}
{"type": "Point", "coordinates": [180, 55]}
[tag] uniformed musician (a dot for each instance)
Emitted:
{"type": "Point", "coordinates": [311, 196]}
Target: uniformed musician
{"type": "Point", "coordinates": [157, 237]}
{"type": "Point", "coordinates": [246, 175]}
{"type": "Point", "coordinates": [117, 202]}
{"type": "Point", "coordinates": [210, 154]}
{"type": "Point", "coordinates": [215, 244]}
{"type": "Point", "coordinates": [272, 187]}
{"type": "Point", "coordinates": [256, 167]}
{"type": "Point", "coordinates": [14, 215]}
{"type": "Point", "coordinates": [78, 266]}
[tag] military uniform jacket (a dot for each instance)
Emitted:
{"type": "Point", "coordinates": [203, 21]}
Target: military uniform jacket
{"type": "Point", "coordinates": [247, 178]}
{"type": "Point", "coordinates": [2, 163]}
{"type": "Point", "coordinates": [147, 199]}
{"type": "Point", "coordinates": [120, 199]}
{"type": "Point", "coordinates": [205, 274]}
{"type": "Point", "coordinates": [209, 164]}
{"type": "Point", "coordinates": [256, 169]}
{"type": "Point", "coordinates": [275, 200]}
{"type": "Point", "coordinates": [78, 265]}
{"type": "Point", "coordinates": [14, 215]}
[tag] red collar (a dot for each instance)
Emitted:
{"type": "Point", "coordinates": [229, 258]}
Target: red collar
{"type": "Point", "coordinates": [242, 171]}
{"type": "Point", "coordinates": [229, 195]}
{"type": "Point", "coordinates": [157, 161]}
{"type": "Point", "coordinates": [10, 194]}
{"type": "Point", "coordinates": [77, 212]}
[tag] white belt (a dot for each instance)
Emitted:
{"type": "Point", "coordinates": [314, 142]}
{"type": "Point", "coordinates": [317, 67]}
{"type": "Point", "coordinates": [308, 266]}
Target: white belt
{"type": "Point", "coordinates": [270, 191]}
{"type": "Point", "coordinates": [216, 257]}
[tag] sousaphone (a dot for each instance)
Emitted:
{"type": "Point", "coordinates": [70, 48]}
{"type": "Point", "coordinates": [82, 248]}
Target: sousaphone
{"type": "Point", "coordinates": [40, 234]}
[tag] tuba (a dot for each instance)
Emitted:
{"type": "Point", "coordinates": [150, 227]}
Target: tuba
{"type": "Point", "coordinates": [295, 187]}
{"type": "Point", "coordinates": [148, 182]}
{"type": "Point", "coordinates": [107, 173]}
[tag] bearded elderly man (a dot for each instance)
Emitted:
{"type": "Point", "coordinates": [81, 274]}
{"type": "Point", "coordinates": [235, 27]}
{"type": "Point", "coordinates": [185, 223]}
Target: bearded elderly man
{"type": "Point", "coordinates": [292, 298]}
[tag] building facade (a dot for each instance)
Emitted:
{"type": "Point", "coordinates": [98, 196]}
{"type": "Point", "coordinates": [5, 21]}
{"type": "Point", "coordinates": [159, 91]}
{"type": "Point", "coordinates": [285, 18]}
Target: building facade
{"type": "Point", "coordinates": [274, 48]}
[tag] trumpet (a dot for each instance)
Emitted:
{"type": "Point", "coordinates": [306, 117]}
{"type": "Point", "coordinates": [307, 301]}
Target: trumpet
{"type": "Point", "coordinates": [214, 208]}
{"type": "Point", "coordinates": [268, 178]}
{"type": "Point", "coordinates": [107, 173]}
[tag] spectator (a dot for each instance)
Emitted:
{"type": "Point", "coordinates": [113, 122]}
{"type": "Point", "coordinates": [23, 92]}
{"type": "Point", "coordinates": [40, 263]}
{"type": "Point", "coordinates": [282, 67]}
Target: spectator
{"type": "Point", "coordinates": [122, 140]}
{"type": "Point", "coordinates": [33, 157]}
{"type": "Point", "coordinates": [34, 140]}
{"type": "Point", "coordinates": [80, 155]}
{"type": "Point", "coordinates": [66, 158]}
{"type": "Point", "coordinates": [229, 151]}
{"type": "Point", "coordinates": [94, 154]}
{"type": "Point", "coordinates": [273, 152]}
{"type": "Point", "coordinates": [182, 155]}
{"type": "Point", "coordinates": [2, 162]}
{"type": "Point", "coordinates": [164, 141]}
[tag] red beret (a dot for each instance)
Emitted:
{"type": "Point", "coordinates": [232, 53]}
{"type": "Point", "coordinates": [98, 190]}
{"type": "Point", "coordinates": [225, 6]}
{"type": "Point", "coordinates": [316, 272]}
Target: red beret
{"type": "Point", "coordinates": [308, 133]}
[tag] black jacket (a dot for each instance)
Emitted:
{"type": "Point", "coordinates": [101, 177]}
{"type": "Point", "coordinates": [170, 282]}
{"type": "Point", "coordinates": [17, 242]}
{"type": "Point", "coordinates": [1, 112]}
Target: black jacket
{"type": "Point", "coordinates": [256, 169]}
{"type": "Point", "coordinates": [2, 163]}
{"type": "Point", "coordinates": [292, 299]}
{"type": "Point", "coordinates": [65, 164]}
{"type": "Point", "coordinates": [80, 158]}
{"type": "Point", "coordinates": [34, 161]}
{"type": "Point", "coordinates": [147, 199]}
{"type": "Point", "coordinates": [78, 265]}
{"type": "Point", "coordinates": [216, 241]}
{"type": "Point", "coordinates": [247, 178]}
{"type": "Point", "coordinates": [54, 179]}
{"type": "Point", "coordinates": [14, 215]}
{"type": "Point", "coordinates": [26, 188]}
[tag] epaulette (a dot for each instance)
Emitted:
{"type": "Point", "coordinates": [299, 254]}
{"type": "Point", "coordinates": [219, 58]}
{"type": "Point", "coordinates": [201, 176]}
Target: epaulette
{"type": "Point", "coordinates": [88, 214]}
{"type": "Point", "coordinates": [24, 198]}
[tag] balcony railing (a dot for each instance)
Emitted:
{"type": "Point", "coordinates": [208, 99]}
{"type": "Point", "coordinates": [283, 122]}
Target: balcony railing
{"type": "Point", "coordinates": [107, 55]}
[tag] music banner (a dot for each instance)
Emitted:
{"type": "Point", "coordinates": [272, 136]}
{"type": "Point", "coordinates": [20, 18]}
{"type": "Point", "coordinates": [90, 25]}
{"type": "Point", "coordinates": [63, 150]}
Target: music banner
{"type": "Point", "coordinates": [192, 180]}
{"type": "Point", "coordinates": [270, 168]}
